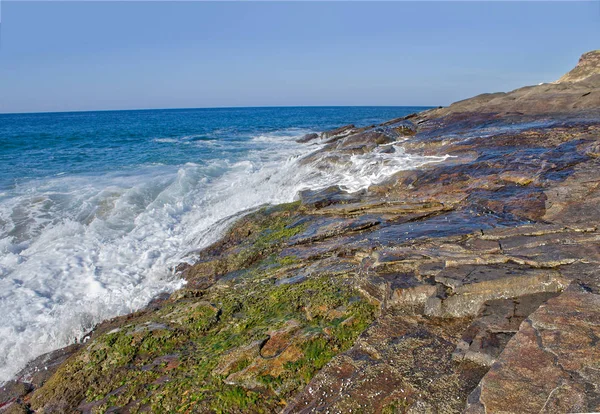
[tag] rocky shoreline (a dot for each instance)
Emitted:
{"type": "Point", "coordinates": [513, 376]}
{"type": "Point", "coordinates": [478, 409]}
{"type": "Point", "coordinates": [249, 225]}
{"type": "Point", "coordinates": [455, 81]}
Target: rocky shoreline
{"type": "Point", "coordinates": [471, 284]}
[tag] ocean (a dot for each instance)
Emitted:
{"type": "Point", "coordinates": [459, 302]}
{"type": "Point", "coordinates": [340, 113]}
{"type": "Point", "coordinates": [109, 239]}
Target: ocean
{"type": "Point", "coordinates": [97, 208]}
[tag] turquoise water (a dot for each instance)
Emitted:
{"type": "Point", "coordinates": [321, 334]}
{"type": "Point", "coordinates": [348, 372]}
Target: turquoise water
{"type": "Point", "coordinates": [96, 208]}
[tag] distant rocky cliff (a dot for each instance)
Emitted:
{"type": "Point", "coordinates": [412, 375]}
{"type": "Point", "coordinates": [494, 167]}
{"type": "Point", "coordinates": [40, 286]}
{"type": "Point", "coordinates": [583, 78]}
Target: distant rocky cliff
{"type": "Point", "coordinates": [588, 66]}
{"type": "Point", "coordinates": [467, 285]}
{"type": "Point", "coordinates": [577, 90]}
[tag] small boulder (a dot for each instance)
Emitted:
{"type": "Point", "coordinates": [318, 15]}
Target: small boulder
{"type": "Point", "coordinates": [307, 138]}
{"type": "Point", "coordinates": [345, 130]}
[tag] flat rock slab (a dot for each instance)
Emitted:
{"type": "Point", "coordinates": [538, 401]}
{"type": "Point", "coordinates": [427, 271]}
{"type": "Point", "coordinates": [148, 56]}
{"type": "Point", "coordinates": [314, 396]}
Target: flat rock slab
{"type": "Point", "coordinates": [496, 324]}
{"type": "Point", "coordinates": [325, 228]}
{"type": "Point", "coordinates": [454, 223]}
{"type": "Point", "coordinates": [552, 364]}
{"type": "Point", "coordinates": [471, 286]}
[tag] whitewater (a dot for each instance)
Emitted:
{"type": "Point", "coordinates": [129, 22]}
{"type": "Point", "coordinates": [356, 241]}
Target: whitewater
{"type": "Point", "coordinates": [97, 209]}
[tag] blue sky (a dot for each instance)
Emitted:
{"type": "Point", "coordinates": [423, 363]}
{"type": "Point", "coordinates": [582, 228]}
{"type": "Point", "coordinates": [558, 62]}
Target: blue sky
{"type": "Point", "coordinates": [59, 56]}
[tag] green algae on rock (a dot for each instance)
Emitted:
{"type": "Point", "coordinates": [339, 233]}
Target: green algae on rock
{"type": "Point", "coordinates": [214, 350]}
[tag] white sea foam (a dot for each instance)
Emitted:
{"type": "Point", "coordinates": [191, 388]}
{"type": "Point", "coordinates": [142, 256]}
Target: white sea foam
{"type": "Point", "coordinates": [75, 250]}
{"type": "Point", "coordinates": [187, 140]}
{"type": "Point", "coordinates": [166, 140]}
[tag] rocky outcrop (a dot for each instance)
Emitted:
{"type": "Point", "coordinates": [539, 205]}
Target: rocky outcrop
{"type": "Point", "coordinates": [470, 283]}
{"type": "Point", "coordinates": [575, 91]}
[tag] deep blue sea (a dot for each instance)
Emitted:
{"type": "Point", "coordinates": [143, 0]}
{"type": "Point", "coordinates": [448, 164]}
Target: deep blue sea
{"type": "Point", "coordinates": [96, 208]}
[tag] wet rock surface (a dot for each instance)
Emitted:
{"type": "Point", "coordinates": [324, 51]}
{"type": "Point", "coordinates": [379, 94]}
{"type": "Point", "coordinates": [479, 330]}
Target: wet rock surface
{"type": "Point", "coordinates": [445, 288]}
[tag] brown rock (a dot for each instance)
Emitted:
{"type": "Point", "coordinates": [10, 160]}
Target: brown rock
{"type": "Point", "coordinates": [239, 357]}
{"type": "Point", "coordinates": [497, 322]}
{"type": "Point", "coordinates": [279, 340]}
{"type": "Point", "coordinates": [471, 286]}
{"type": "Point", "coordinates": [551, 365]}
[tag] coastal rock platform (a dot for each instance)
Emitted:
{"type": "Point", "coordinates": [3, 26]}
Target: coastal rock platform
{"type": "Point", "coordinates": [469, 284]}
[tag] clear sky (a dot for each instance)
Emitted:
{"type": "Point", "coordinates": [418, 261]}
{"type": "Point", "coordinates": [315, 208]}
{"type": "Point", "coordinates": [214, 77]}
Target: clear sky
{"type": "Point", "coordinates": [58, 56]}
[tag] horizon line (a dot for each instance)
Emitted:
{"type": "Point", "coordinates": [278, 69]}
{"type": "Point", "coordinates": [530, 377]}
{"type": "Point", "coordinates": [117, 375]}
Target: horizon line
{"type": "Point", "coordinates": [218, 107]}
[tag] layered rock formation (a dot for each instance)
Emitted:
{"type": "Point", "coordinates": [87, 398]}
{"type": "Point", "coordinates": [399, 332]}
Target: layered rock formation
{"type": "Point", "coordinates": [470, 284]}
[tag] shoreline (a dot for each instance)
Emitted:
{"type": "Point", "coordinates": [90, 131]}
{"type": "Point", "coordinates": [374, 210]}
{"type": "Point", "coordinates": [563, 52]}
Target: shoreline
{"type": "Point", "coordinates": [439, 278]}
{"type": "Point", "coordinates": [190, 196]}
